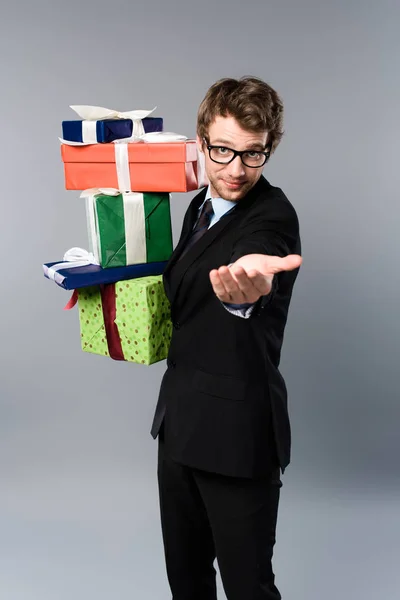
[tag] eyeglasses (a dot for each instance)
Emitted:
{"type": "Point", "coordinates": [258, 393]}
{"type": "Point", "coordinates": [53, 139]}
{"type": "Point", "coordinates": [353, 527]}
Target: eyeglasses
{"type": "Point", "coordinates": [250, 158]}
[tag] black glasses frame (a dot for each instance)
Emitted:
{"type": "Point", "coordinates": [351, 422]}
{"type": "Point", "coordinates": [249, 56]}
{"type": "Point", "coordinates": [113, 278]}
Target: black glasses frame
{"type": "Point", "coordinates": [240, 153]}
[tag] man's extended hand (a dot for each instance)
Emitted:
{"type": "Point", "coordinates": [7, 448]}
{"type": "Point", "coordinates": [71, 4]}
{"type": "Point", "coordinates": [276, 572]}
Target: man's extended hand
{"type": "Point", "coordinates": [250, 277]}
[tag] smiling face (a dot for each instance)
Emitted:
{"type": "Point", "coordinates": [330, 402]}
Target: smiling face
{"type": "Point", "coordinates": [234, 180]}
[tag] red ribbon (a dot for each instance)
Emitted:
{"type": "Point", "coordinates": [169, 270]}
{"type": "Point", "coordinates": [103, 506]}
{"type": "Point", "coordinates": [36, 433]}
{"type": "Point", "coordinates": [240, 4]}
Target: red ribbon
{"type": "Point", "coordinates": [107, 292]}
{"type": "Point", "coordinates": [72, 301]}
{"type": "Point", "coordinates": [109, 308]}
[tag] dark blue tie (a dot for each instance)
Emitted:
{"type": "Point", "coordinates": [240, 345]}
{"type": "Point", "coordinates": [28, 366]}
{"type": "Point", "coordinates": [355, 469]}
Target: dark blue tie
{"type": "Point", "coordinates": [201, 227]}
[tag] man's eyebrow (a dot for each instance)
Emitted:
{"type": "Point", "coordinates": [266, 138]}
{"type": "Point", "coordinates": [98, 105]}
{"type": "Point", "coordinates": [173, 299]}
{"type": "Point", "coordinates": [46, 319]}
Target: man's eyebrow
{"type": "Point", "coordinates": [255, 146]}
{"type": "Point", "coordinates": [250, 146]}
{"type": "Point", "coordinates": [222, 141]}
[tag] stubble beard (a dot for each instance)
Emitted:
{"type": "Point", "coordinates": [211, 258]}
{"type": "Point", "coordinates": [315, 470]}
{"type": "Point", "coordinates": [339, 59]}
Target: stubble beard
{"type": "Point", "coordinates": [231, 195]}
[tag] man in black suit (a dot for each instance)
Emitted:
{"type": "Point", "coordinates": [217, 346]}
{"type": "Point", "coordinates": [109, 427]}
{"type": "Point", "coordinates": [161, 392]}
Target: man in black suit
{"type": "Point", "coordinates": [221, 418]}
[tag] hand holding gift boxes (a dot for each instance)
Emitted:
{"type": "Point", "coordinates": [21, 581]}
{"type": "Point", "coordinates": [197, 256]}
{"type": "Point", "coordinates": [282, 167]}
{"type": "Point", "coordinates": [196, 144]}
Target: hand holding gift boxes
{"type": "Point", "coordinates": [126, 166]}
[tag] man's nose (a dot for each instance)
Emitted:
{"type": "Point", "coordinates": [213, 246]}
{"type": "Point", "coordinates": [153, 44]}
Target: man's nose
{"type": "Point", "coordinates": [236, 167]}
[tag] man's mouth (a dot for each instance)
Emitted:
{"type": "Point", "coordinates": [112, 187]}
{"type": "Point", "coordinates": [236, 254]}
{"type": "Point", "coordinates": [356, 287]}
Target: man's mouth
{"type": "Point", "coordinates": [233, 185]}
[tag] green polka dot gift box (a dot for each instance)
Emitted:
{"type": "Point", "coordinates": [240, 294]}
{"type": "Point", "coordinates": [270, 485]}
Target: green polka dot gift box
{"type": "Point", "coordinates": [128, 320]}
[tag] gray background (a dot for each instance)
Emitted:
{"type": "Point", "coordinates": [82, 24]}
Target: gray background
{"type": "Point", "coordinates": [78, 503]}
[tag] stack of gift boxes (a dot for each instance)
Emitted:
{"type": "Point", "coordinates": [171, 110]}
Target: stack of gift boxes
{"type": "Point", "coordinates": [126, 166]}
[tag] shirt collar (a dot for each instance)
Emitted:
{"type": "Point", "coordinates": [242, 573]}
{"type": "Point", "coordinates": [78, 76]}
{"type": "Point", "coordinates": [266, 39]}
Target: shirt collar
{"type": "Point", "coordinates": [220, 205]}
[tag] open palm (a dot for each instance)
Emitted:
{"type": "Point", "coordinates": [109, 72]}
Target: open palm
{"type": "Point", "coordinates": [250, 277]}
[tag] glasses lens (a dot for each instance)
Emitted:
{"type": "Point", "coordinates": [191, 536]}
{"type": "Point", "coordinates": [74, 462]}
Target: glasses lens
{"type": "Point", "coordinates": [254, 159]}
{"type": "Point", "coordinates": [221, 155]}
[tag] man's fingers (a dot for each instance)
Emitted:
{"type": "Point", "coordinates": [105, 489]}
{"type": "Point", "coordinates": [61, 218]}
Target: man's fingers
{"type": "Point", "coordinates": [218, 286]}
{"type": "Point", "coordinates": [252, 283]}
{"type": "Point", "coordinates": [225, 287]}
{"type": "Point", "coordinates": [231, 285]}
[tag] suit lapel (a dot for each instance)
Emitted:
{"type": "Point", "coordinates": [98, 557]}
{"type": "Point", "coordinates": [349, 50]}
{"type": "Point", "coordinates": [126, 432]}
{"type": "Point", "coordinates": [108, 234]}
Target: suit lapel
{"type": "Point", "coordinates": [196, 250]}
{"type": "Point", "coordinates": [187, 226]}
{"type": "Point", "coordinates": [172, 283]}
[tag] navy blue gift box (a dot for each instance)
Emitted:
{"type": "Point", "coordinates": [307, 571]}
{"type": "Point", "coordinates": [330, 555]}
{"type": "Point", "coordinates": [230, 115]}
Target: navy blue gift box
{"type": "Point", "coordinates": [109, 130]}
{"type": "Point", "coordinates": [79, 277]}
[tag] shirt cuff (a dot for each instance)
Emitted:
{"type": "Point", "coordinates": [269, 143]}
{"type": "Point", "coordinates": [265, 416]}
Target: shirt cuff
{"type": "Point", "coordinates": [239, 310]}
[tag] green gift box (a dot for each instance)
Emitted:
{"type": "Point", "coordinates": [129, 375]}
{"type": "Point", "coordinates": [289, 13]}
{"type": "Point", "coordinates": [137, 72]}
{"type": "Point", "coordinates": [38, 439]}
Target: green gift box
{"type": "Point", "coordinates": [128, 228]}
{"type": "Point", "coordinates": [128, 320]}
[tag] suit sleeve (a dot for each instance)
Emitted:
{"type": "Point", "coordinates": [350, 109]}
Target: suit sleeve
{"type": "Point", "coordinates": [277, 235]}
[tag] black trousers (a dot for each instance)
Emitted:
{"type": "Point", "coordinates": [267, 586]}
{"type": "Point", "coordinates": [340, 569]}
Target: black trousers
{"type": "Point", "coordinates": [206, 516]}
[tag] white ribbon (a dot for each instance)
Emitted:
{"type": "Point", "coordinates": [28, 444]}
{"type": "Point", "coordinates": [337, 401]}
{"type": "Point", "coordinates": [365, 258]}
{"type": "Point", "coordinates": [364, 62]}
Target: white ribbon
{"type": "Point", "coordinates": [166, 137]}
{"type": "Point", "coordinates": [122, 154]}
{"type": "Point", "coordinates": [91, 222]}
{"type": "Point", "coordinates": [202, 179]}
{"type": "Point", "coordinates": [89, 132]}
{"type": "Point", "coordinates": [98, 113]}
{"type": "Point", "coordinates": [95, 191]}
{"type": "Point", "coordinates": [122, 166]}
{"type": "Point", "coordinates": [156, 137]}
{"type": "Point", "coordinates": [137, 131]}
{"type": "Point", "coordinates": [135, 228]}
{"type": "Point", "coordinates": [74, 257]}
{"type": "Point", "coordinates": [91, 216]}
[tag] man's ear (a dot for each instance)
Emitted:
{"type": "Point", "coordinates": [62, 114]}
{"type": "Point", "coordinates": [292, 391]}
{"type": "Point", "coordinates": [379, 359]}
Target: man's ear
{"type": "Point", "coordinates": [200, 144]}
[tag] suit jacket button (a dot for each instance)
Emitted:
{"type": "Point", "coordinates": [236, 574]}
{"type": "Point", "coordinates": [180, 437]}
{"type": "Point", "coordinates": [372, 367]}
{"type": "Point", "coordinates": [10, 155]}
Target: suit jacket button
{"type": "Point", "coordinates": [177, 325]}
{"type": "Point", "coordinates": [172, 364]}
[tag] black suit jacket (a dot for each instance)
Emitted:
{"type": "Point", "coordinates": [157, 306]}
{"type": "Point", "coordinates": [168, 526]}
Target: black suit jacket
{"type": "Point", "coordinates": [222, 399]}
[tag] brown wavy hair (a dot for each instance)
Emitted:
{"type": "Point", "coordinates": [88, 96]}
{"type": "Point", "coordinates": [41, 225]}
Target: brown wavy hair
{"type": "Point", "coordinates": [252, 102]}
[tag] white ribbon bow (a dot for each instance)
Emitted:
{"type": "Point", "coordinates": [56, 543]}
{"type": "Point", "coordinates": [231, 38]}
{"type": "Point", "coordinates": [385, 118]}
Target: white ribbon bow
{"type": "Point", "coordinates": [91, 114]}
{"type": "Point", "coordinates": [74, 257]}
{"type": "Point", "coordinates": [96, 191]}
{"type": "Point", "coordinates": [98, 113]}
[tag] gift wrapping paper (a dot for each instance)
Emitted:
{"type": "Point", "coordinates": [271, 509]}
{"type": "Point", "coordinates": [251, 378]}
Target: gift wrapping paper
{"type": "Point", "coordinates": [130, 228]}
{"type": "Point", "coordinates": [128, 320]}
{"type": "Point", "coordinates": [139, 167]}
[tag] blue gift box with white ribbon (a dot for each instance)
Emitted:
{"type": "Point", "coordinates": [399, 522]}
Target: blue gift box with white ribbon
{"type": "Point", "coordinates": [72, 277]}
{"type": "Point", "coordinates": [103, 125]}
{"type": "Point", "coordinates": [108, 130]}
